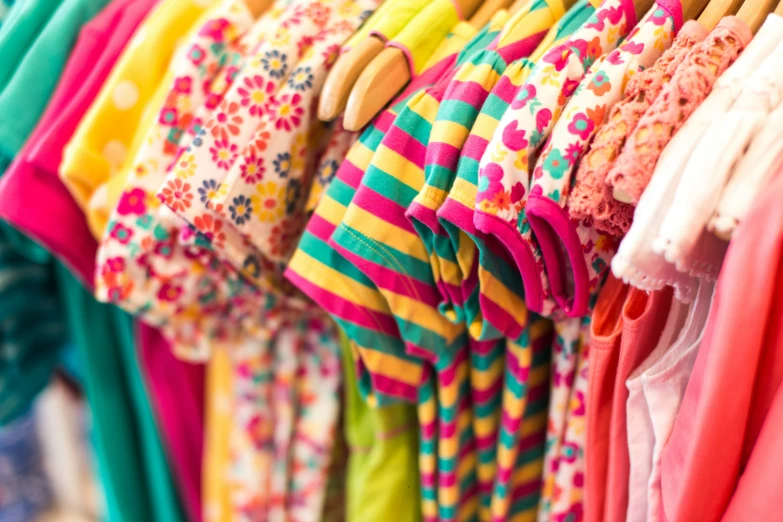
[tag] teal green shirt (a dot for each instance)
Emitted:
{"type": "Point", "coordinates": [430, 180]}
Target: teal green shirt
{"type": "Point", "coordinates": [43, 307]}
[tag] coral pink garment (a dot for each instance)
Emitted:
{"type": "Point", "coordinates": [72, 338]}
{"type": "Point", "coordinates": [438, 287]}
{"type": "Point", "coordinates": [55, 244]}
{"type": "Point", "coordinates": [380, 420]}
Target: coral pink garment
{"type": "Point", "coordinates": [731, 396]}
{"type": "Point", "coordinates": [177, 392]}
{"type": "Point", "coordinates": [605, 335]}
{"type": "Point", "coordinates": [691, 83]}
{"type": "Point", "coordinates": [591, 196]}
{"type": "Point", "coordinates": [31, 195]}
{"type": "Point", "coordinates": [644, 317]}
{"type": "Point", "coordinates": [758, 492]}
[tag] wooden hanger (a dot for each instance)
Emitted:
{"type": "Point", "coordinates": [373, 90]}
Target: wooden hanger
{"type": "Point", "coordinates": [692, 8]}
{"type": "Point", "coordinates": [258, 7]}
{"type": "Point", "coordinates": [343, 76]}
{"type": "Point", "coordinates": [386, 75]}
{"type": "Point", "coordinates": [715, 10]}
{"type": "Point", "coordinates": [641, 7]}
{"type": "Point", "coordinates": [754, 12]}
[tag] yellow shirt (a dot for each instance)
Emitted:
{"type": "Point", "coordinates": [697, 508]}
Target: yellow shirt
{"type": "Point", "coordinates": [111, 131]}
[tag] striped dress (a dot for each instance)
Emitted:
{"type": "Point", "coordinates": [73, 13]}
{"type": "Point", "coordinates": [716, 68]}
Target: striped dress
{"type": "Point", "coordinates": [377, 238]}
{"type": "Point", "coordinates": [499, 291]}
{"type": "Point", "coordinates": [462, 101]}
{"type": "Point", "coordinates": [386, 373]}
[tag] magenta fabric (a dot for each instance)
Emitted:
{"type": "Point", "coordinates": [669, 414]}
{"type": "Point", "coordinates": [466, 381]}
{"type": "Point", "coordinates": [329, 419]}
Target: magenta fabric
{"type": "Point", "coordinates": [176, 390]}
{"type": "Point", "coordinates": [32, 198]}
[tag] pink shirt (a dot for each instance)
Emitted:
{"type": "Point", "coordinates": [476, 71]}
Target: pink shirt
{"type": "Point", "coordinates": [177, 392]}
{"type": "Point", "coordinates": [33, 199]}
{"type": "Point", "coordinates": [605, 336]}
{"type": "Point", "coordinates": [731, 402]}
{"type": "Point", "coordinates": [644, 318]}
{"type": "Point", "coordinates": [51, 216]}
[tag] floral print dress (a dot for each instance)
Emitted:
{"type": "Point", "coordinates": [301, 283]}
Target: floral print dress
{"type": "Point", "coordinates": [588, 253]}
{"type": "Point", "coordinates": [270, 95]}
{"type": "Point", "coordinates": [140, 265]}
{"type": "Point", "coordinates": [504, 175]}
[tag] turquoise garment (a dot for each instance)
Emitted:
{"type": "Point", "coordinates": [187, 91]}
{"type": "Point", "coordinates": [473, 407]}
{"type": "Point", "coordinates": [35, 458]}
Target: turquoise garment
{"type": "Point", "coordinates": [5, 8]}
{"type": "Point", "coordinates": [131, 459]}
{"type": "Point", "coordinates": [48, 308]}
{"type": "Point", "coordinates": [33, 329]}
{"type": "Point", "coordinates": [25, 93]}
{"type": "Point", "coordinates": [22, 24]}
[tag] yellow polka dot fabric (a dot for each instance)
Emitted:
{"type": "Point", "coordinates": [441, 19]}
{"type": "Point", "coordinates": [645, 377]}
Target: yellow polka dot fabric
{"type": "Point", "coordinates": [110, 132]}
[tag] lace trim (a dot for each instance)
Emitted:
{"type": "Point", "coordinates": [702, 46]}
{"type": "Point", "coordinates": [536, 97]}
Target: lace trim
{"type": "Point", "coordinates": [688, 87]}
{"type": "Point", "coordinates": [591, 196]}
{"type": "Point", "coordinates": [623, 268]}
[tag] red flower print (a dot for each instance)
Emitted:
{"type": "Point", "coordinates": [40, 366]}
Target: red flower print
{"type": "Point", "coordinates": [572, 153]}
{"type": "Point", "coordinates": [581, 126]}
{"type": "Point", "coordinates": [558, 56]}
{"type": "Point", "coordinates": [569, 86]}
{"type": "Point", "coordinates": [633, 47]}
{"type": "Point", "coordinates": [543, 118]}
{"type": "Point", "coordinates": [164, 249]}
{"type": "Point", "coordinates": [253, 169]}
{"type": "Point", "coordinates": [597, 114]}
{"type": "Point", "coordinates": [659, 16]}
{"type": "Point", "coordinates": [115, 264]}
{"type": "Point", "coordinates": [260, 142]}
{"type": "Point", "coordinates": [212, 101]}
{"type": "Point", "coordinates": [256, 94]}
{"type": "Point", "coordinates": [168, 116]}
{"type": "Point", "coordinates": [169, 292]}
{"type": "Point", "coordinates": [330, 55]}
{"type": "Point", "coordinates": [176, 194]}
{"type": "Point", "coordinates": [215, 29]}
{"type": "Point", "coordinates": [613, 14]}
{"type": "Point", "coordinates": [231, 73]}
{"type": "Point", "coordinates": [490, 182]}
{"type": "Point", "coordinates": [502, 200]}
{"type": "Point", "coordinates": [197, 55]}
{"type": "Point", "coordinates": [527, 93]}
{"type": "Point", "coordinates": [183, 84]}
{"type": "Point", "coordinates": [132, 202]}
{"type": "Point", "coordinates": [517, 192]}
{"type": "Point", "coordinates": [318, 13]}
{"type": "Point", "coordinates": [211, 228]}
{"type": "Point", "coordinates": [578, 403]}
{"type": "Point", "coordinates": [575, 513]}
{"type": "Point", "coordinates": [615, 58]}
{"type": "Point", "coordinates": [226, 121]}
{"type": "Point", "coordinates": [594, 49]}
{"type": "Point", "coordinates": [513, 138]}
{"type": "Point", "coordinates": [121, 233]}
{"type": "Point", "coordinates": [288, 112]}
{"type": "Point", "coordinates": [600, 83]}
{"type": "Point", "coordinates": [224, 154]}
{"type": "Point", "coordinates": [304, 44]}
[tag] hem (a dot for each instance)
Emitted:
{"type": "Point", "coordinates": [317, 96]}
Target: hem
{"type": "Point", "coordinates": [425, 216]}
{"type": "Point", "coordinates": [510, 237]}
{"type": "Point", "coordinates": [551, 223]}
